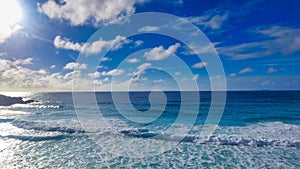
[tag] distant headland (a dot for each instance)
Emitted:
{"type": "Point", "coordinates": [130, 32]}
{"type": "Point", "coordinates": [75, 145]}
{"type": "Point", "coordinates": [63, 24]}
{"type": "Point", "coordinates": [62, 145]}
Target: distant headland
{"type": "Point", "coordinates": [8, 101]}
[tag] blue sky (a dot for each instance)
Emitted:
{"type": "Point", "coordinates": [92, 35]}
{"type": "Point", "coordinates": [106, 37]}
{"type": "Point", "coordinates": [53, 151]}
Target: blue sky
{"type": "Point", "coordinates": [258, 43]}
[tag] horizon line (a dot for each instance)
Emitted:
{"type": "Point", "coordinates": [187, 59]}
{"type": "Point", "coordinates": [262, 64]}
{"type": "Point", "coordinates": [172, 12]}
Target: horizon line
{"type": "Point", "coordinates": [106, 91]}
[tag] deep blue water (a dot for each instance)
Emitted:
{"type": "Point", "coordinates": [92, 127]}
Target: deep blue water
{"type": "Point", "coordinates": [242, 108]}
{"type": "Point", "coordinates": [258, 129]}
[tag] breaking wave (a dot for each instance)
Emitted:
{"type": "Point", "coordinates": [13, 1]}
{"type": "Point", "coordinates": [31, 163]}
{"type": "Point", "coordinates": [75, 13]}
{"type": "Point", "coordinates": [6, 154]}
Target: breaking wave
{"type": "Point", "coordinates": [29, 125]}
{"type": "Point", "coordinates": [258, 135]}
{"type": "Point", "coordinates": [264, 134]}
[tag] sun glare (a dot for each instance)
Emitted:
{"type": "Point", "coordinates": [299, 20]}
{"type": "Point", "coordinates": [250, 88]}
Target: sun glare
{"type": "Point", "coordinates": [10, 12]}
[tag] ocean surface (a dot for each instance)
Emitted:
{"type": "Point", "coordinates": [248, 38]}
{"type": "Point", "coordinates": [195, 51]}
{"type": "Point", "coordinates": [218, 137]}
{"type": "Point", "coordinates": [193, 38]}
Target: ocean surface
{"type": "Point", "coordinates": [258, 129]}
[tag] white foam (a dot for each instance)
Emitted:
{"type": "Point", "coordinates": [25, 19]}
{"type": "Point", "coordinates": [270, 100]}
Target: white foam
{"type": "Point", "coordinates": [81, 152]}
{"type": "Point", "coordinates": [264, 134]}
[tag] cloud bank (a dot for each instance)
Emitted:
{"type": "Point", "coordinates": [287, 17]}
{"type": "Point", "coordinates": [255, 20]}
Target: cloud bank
{"type": "Point", "coordinates": [81, 12]}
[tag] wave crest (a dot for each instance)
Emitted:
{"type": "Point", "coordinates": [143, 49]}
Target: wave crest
{"type": "Point", "coordinates": [42, 127]}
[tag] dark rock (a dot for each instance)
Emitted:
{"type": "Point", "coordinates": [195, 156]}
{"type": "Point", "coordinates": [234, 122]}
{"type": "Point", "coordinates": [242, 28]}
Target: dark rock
{"type": "Point", "coordinates": [29, 101]}
{"type": "Point", "coordinates": [8, 101]}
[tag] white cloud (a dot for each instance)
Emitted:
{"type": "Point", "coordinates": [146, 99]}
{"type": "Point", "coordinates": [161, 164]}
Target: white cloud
{"type": "Point", "coordinates": [80, 12]}
{"type": "Point", "coordinates": [200, 65]}
{"type": "Point", "coordinates": [272, 70]}
{"type": "Point", "coordinates": [7, 32]}
{"type": "Point", "coordinates": [149, 29]}
{"type": "Point", "coordinates": [217, 21]}
{"type": "Point", "coordinates": [199, 49]}
{"type": "Point", "coordinates": [93, 47]}
{"type": "Point", "coordinates": [71, 75]}
{"type": "Point", "coordinates": [196, 77]}
{"type": "Point", "coordinates": [138, 77]}
{"type": "Point", "coordinates": [53, 66]}
{"type": "Point", "coordinates": [243, 71]}
{"type": "Point", "coordinates": [138, 43]}
{"type": "Point", "coordinates": [74, 65]}
{"type": "Point", "coordinates": [246, 70]}
{"type": "Point", "coordinates": [42, 71]}
{"type": "Point", "coordinates": [17, 77]}
{"type": "Point", "coordinates": [283, 40]}
{"type": "Point", "coordinates": [133, 60]}
{"type": "Point", "coordinates": [239, 52]}
{"type": "Point", "coordinates": [159, 53]}
{"type": "Point", "coordinates": [287, 39]}
{"type": "Point", "coordinates": [65, 43]}
{"type": "Point", "coordinates": [104, 59]}
{"type": "Point", "coordinates": [210, 20]}
{"type": "Point", "coordinates": [94, 75]}
{"type": "Point", "coordinates": [27, 61]}
{"type": "Point", "coordinates": [114, 72]}
{"type": "Point", "coordinates": [144, 66]}
{"type": "Point", "coordinates": [106, 79]}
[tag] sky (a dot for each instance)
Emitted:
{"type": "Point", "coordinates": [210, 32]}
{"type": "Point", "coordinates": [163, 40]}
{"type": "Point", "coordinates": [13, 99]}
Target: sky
{"type": "Point", "coordinates": [45, 45]}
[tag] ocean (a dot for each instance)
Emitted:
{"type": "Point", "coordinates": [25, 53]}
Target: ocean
{"type": "Point", "coordinates": [258, 129]}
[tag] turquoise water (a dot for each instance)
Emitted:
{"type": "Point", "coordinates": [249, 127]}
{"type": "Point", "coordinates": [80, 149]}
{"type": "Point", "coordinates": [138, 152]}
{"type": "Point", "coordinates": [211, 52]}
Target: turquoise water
{"type": "Point", "coordinates": [258, 129]}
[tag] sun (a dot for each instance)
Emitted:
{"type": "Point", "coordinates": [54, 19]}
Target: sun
{"type": "Point", "coordinates": [10, 13]}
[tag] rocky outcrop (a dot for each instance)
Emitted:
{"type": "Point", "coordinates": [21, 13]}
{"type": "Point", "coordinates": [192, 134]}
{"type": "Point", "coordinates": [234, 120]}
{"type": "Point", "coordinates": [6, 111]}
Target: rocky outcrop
{"type": "Point", "coordinates": [8, 101]}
